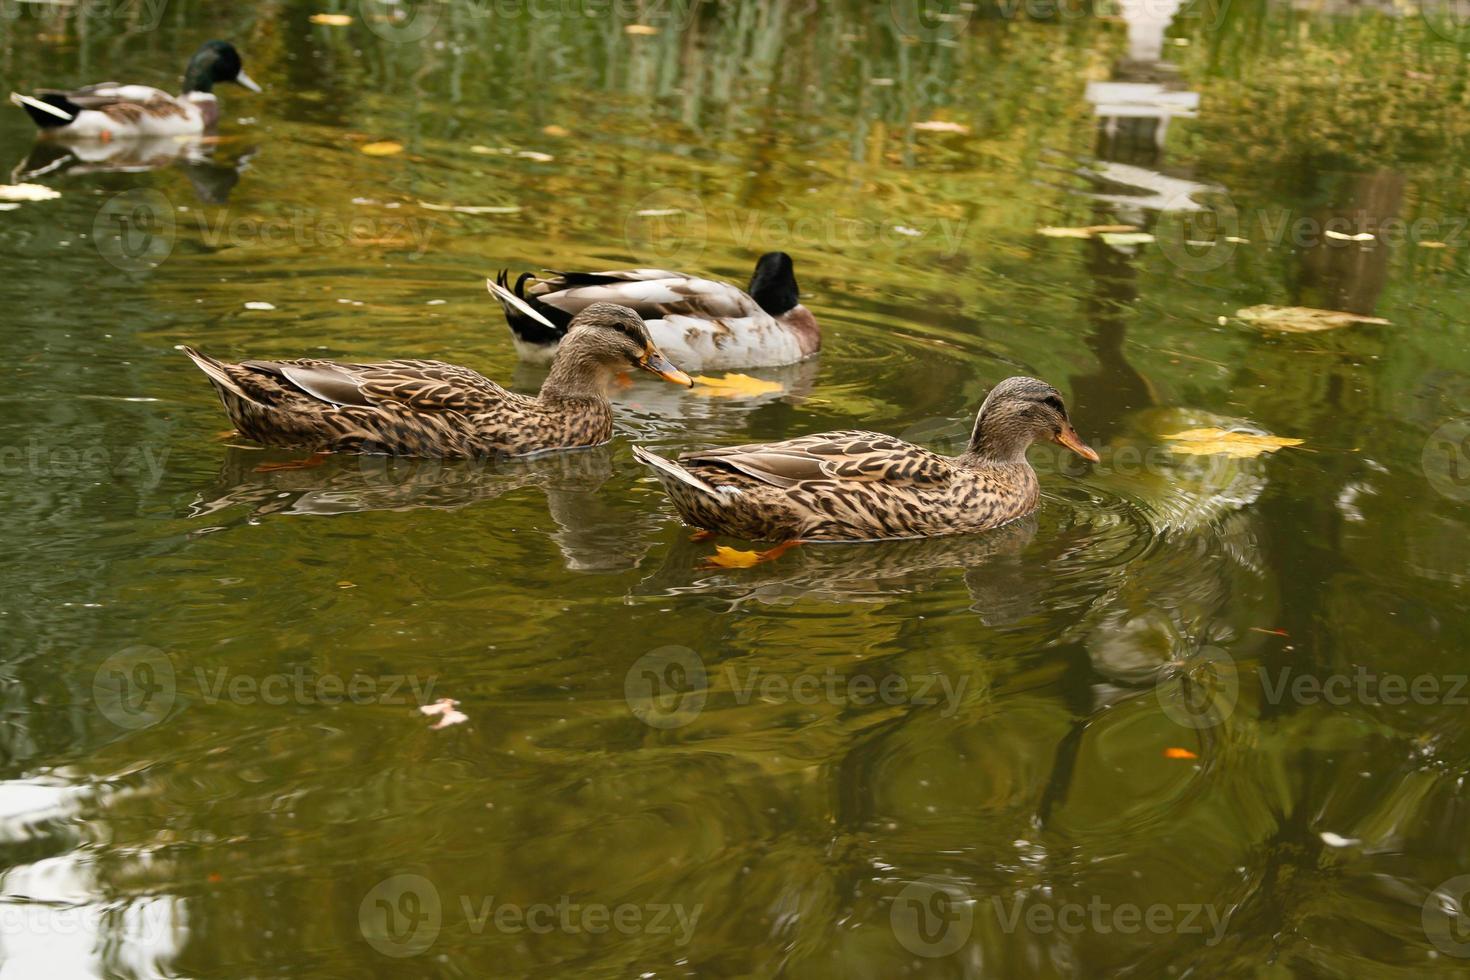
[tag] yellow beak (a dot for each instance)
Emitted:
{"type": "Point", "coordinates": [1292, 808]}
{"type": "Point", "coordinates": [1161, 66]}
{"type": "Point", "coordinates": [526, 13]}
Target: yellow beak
{"type": "Point", "coordinates": [655, 363]}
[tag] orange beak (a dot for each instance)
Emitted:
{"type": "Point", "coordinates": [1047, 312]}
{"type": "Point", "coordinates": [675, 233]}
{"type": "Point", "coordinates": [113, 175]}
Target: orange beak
{"type": "Point", "coordinates": [655, 362]}
{"type": "Point", "coordinates": [1068, 437]}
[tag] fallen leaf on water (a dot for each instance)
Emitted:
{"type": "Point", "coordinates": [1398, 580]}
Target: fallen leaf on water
{"type": "Point", "coordinates": [658, 212]}
{"type": "Point", "coordinates": [1269, 632]}
{"type": "Point", "coordinates": [1302, 319]}
{"type": "Point", "coordinates": [641, 30]}
{"type": "Point", "coordinates": [1224, 442]}
{"type": "Point", "coordinates": [27, 192]}
{"type": "Point", "coordinates": [940, 126]}
{"type": "Point", "coordinates": [534, 155]}
{"type": "Point", "coordinates": [1174, 752]}
{"type": "Point", "coordinates": [386, 148]}
{"type": "Point", "coordinates": [447, 710]}
{"type": "Point", "coordinates": [8, 207]}
{"type": "Point", "coordinates": [1087, 231]}
{"type": "Point", "coordinates": [344, 584]}
{"type": "Point", "coordinates": [734, 386]}
{"type": "Point", "coordinates": [1431, 244]}
{"type": "Point", "coordinates": [1125, 237]}
{"type": "Point", "coordinates": [332, 20]}
{"type": "Point", "coordinates": [1343, 236]}
{"type": "Point", "coordinates": [472, 208]}
{"type": "Point", "coordinates": [555, 130]}
{"type": "Point", "coordinates": [259, 305]}
{"type": "Point", "coordinates": [726, 557]}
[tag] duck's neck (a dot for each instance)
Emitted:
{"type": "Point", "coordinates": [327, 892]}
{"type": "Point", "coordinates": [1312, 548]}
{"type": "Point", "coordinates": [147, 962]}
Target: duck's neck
{"type": "Point", "coordinates": [575, 378]}
{"type": "Point", "coordinates": [801, 323]}
{"type": "Point", "coordinates": [993, 444]}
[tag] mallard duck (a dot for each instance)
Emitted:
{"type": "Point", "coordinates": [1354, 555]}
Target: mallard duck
{"type": "Point", "coordinates": [865, 486]}
{"type": "Point", "coordinates": [702, 324]}
{"type": "Point", "coordinates": [428, 408]}
{"type": "Point", "coordinates": [113, 111]}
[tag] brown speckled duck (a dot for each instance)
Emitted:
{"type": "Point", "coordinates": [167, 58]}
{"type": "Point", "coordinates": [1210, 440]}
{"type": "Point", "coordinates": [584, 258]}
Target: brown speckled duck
{"type": "Point", "coordinates": [428, 408]}
{"type": "Point", "coordinates": [864, 486]}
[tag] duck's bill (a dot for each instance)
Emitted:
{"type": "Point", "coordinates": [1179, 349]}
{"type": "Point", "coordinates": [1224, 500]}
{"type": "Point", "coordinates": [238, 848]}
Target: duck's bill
{"type": "Point", "coordinates": [247, 81]}
{"type": "Point", "coordinates": [1068, 437]}
{"type": "Point", "coordinates": [656, 363]}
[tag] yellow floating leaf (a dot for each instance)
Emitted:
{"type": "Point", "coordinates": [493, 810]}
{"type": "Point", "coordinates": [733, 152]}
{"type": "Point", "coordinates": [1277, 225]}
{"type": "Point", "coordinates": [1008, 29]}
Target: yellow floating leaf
{"type": "Point", "coordinates": [1302, 319]}
{"type": "Point", "coordinates": [940, 126]}
{"type": "Point", "coordinates": [1223, 442]}
{"type": "Point", "coordinates": [1175, 752]}
{"type": "Point", "coordinates": [1087, 231]}
{"type": "Point", "coordinates": [27, 192]}
{"type": "Point", "coordinates": [640, 30]}
{"type": "Point", "coordinates": [384, 149]}
{"type": "Point", "coordinates": [1343, 236]}
{"type": "Point", "coordinates": [332, 20]}
{"type": "Point", "coordinates": [734, 386]}
{"type": "Point", "coordinates": [726, 557]}
{"type": "Point", "coordinates": [555, 130]}
{"type": "Point", "coordinates": [1431, 244]}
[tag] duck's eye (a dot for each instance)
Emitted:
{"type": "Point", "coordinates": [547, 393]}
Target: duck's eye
{"type": "Point", "coordinates": [1055, 404]}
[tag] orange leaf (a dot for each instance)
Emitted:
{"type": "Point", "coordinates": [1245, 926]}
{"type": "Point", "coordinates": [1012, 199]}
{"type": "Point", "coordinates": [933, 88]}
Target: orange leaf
{"type": "Point", "coordinates": [384, 149]}
{"type": "Point", "coordinates": [733, 386]}
{"type": "Point", "coordinates": [1174, 752]}
{"type": "Point", "coordinates": [725, 557]}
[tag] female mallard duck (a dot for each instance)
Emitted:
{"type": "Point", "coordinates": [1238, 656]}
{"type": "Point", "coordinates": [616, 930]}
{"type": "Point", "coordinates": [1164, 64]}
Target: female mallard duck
{"type": "Point", "coordinates": [703, 324]}
{"type": "Point", "coordinates": [863, 486]}
{"type": "Point", "coordinates": [428, 408]}
{"type": "Point", "coordinates": [112, 111]}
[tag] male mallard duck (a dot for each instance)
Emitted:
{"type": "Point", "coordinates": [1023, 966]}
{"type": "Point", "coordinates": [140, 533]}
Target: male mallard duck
{"type": "Point", "coordinates": [856, 486]}
{"type": "Point", "coordinates": [428, 408]}
{"type": "Point", "coordinates": [703, 324]}
{"type": "Point", "coordinates": [112, 111]}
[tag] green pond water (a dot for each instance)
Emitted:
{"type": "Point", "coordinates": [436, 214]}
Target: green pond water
{"type": "Point", "coordinates": [1201, 716]}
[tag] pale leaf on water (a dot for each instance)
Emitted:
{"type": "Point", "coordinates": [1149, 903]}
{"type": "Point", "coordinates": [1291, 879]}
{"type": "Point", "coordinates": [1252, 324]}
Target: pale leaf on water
{"type": "Point", "coordinates": [447, 710]}
{"type": "Point", "coordinates": [640, 30]}
{"type": "Point", "coordinates": [555, 130]}
{"type": "Point", "coordinates": [259, 305]}
{"type": "Point", "coordinates": [734, 386]}
{"type": "Point", "coordinates": [1302, 319]}
{"type": "Point", "coordinates": [940, 126]}
{"type": "Point", "coordinates": [1342, 236]}
{"type": "Point", "coordinates": [27, 192]}
{"type": "Point", "coordinates": [473, 208]}
{"type": "Point", "coordinates": [1211, 441]}
{"type": "Point", "coordinates": [385, 148]}
{"type": "Point", "coordinates": [1086, 231]}
{"type": "Point", "coordinates": [332, 20]}
{"type": "Point", "coordinates": [1125, 237]}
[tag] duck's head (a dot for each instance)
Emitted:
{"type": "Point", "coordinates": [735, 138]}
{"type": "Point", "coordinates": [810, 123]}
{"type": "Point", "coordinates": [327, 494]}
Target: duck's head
{"type": "Point", "coordinates": [773, 284]}
{"type": "Point", "coordinates": [614, 338]}
{"type": "Point", "coordinates": [216, 61]}
{"type": "Point", "coordinates": [1018, 412]}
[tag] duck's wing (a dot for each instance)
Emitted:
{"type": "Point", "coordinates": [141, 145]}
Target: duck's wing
{"type": "Point", "coordinates": [653, 293]}
{"type": "Point", "coordinates": [842, 457]}
{"type": "Point", "coordinates": [421, 386]}
{"type": "Point", "coordinates": [104, 94]}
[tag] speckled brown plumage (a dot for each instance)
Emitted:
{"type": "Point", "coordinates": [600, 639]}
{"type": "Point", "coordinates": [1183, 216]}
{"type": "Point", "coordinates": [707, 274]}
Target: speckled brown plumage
{"type": "Point", "coordinates": [853, 485]}
{"type": "Point", "coordinates": [428, 408]}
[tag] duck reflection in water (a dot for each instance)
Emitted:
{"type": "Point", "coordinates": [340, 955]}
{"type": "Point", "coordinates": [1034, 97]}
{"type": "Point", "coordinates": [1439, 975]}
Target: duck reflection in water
{"type": "Point", "coordinates": [212, 175]}
{"type": "Point", "coordinates": [595, 533]}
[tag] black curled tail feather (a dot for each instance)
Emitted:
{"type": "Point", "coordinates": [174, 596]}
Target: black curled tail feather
{"type": "Point", "coordinates": [529, 329]}
{"type": "Point", "coordinates": [42, 118]}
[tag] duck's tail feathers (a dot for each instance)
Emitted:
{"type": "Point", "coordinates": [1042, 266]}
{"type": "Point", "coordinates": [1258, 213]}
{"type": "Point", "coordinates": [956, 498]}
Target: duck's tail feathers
{"type": "Point", "coordinates": [531, 321]}
{"type": "Point", "coordinates": [217, 371]}
{"type": "Point", "coordinates": [50, 111]}
{"type": "Point", "coordinates": [672, 470]}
